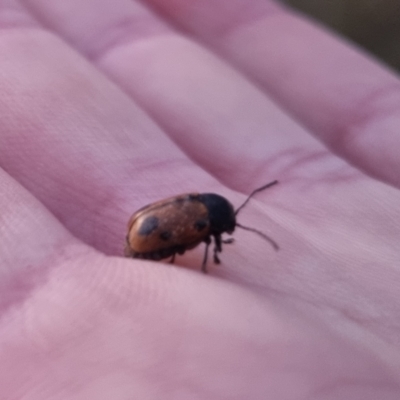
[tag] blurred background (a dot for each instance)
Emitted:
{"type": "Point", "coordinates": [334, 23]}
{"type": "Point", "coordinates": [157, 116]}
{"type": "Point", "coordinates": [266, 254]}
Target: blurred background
{"type": "Point", "coordinates": [373, 24]}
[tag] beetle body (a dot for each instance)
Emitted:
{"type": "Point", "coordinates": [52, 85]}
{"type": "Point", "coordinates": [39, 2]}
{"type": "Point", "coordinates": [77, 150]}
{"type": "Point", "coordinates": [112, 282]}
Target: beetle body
{"type": "Point", "coordinates": [174, 225]}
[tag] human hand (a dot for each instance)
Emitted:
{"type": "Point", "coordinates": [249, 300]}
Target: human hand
{"type": "Point", "coordinates": [106, 108]}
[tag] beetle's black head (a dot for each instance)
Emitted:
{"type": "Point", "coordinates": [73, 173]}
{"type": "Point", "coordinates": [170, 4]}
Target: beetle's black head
{"type": "Point", "coordinates": [220, 212]}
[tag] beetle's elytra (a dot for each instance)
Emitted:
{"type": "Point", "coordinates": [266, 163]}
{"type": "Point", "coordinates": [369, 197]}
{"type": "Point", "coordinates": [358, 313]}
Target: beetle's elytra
{"type": "Point", "coordinates": [174, 225]}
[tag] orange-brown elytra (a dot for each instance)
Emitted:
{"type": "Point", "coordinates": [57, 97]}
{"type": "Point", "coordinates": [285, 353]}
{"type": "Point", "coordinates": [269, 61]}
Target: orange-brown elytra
{"type": "Point", "coordinates": [174, 225]}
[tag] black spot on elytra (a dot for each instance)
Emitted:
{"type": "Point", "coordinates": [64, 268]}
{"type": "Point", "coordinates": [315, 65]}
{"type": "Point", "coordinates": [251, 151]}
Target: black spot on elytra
{"type": "Point", "coordinates": [148, 226]}
{"type": "Point", "coordinates": [200, 224]}
{"type": "Point", "coordinates": [165, 235]}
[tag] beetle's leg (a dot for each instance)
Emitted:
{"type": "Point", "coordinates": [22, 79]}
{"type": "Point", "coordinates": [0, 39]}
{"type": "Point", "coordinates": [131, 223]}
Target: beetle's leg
{"type": "Point", "coordinates": [204, 265]}
{"type": "Point", "coordinates": [127, 252]}
{"type": "Point", "coordinates": [127, 249]}
{"type": "Point", "coordinates": [228, 241]}
{"type": "Point", "coordinates": [171, 261]}
{"type": "Point", "coordinates": [217, 248]}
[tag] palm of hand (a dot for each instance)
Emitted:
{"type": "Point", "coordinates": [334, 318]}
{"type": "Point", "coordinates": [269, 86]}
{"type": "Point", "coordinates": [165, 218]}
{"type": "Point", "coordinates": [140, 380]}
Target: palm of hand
{"type": "Point", "coordinates": [319, 318]}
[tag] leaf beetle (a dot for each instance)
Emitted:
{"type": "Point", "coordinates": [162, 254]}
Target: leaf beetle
{"type": "Point", "coordinates": [176, 224]}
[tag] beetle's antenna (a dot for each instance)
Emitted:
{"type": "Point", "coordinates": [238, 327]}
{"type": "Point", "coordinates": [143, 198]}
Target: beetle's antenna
{"type": "Point", "coordinates": [263, 235]}
{"type": "Point", "coordinates": [253, 193]}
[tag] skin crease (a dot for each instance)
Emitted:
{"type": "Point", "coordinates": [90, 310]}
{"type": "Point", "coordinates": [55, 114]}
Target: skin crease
{"type": "Point", "coordinates": [110, 105]}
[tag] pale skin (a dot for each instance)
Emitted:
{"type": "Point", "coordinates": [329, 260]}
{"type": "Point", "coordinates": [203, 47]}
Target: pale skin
{"type": "Point", "coordinates": [107, 106]}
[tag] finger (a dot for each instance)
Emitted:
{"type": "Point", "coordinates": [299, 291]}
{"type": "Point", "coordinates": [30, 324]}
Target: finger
{"type": "Point", "coordinates": [100, 173]}
{"type": "Point", "coordinates": [136, 332]}
{"type": "Point", "coordinates": [348, 100]}
{"type": "Point", "coordinates": [31, 240]}
{"type": "Point", "coordinates": [63, 304]}
{"type": "Point", "coordinates": [210, 110]}
{"type": "Point", "coordinates": [81, 146]}
{"type": "Point", "coordinates": [93, 157]}
{"type": "Point", "coordinates": [60, 302]}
